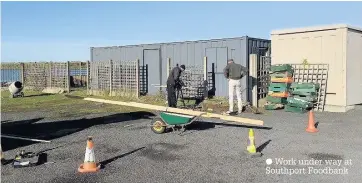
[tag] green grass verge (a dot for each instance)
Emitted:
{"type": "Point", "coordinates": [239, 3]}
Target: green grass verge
{"type": "Point", "coordinates": [62, 105]}
{"type": "Point", "coordinates": [58, 104]}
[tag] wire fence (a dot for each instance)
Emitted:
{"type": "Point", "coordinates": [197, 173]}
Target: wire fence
{"type": "Point", "coordinates": [193, 78]}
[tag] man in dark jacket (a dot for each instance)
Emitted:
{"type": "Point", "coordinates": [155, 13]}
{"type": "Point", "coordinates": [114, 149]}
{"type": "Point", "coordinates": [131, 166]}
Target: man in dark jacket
{"type": "Point", "coordinates": [174, 82]}
{"type": "Point", "coordinates": [234, 72]}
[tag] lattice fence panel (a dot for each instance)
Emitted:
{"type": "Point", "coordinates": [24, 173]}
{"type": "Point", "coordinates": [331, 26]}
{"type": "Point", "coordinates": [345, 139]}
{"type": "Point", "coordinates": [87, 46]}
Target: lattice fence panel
{"type": "Point", "coordinates": [313, 73]}
{"type": "Point", "coordinates": [144, 79]}
{"type": "Point", "coordinates": [263, 78]}
{"type": "Point", "coordinates": [36, 75]}
{"type": "Point", "coordinates": [78, 73]}
{"type": "Point", "coordinates": [211, 80]}
{"type": "Point", "coordinates": [58, 75]}
{"type": "Point", "coordinates": [124, 77]}
{"type": "Point", "coordinates": [99, 78]}
{"type": "Point", "coordinates": [116, 78]}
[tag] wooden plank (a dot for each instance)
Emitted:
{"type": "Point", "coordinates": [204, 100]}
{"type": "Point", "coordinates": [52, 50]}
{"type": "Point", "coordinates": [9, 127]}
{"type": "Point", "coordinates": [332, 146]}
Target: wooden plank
{"type": "Point", "coordinates": [24, 138]}
{"type": "Point", "coordinates": [234, 119]}
{"type": "Point", "coordinates": [181, 111]}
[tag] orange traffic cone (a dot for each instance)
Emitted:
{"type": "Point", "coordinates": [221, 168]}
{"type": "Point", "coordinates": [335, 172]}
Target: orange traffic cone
{"type": "Point", "coordinates": [89, 164]}
{"type": "Point", "coordinates": [311, 125]}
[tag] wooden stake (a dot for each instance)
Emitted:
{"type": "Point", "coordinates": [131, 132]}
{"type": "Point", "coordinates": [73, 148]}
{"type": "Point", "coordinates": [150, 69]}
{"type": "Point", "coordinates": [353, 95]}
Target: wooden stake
{"type": "Point", "coordinates": [23, 138]}
{"type": "Point", "coordinates": [137, 78]}
{"type": "Point", "coordinates": [205, 68]}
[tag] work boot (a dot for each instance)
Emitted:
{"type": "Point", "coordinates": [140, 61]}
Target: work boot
{"type": "Point", "coordinates": [228, 112]}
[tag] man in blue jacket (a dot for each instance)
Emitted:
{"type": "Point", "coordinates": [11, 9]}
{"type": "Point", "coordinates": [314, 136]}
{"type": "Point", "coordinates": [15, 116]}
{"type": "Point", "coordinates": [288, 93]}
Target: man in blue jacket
{"type": "Point", "coordinates": [174, 82]}
{"type": "Point", "coordinates": [234, 72]}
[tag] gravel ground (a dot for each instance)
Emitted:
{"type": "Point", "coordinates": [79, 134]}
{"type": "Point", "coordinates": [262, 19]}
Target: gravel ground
{"type": "Point", "coordinates": [207, 152]}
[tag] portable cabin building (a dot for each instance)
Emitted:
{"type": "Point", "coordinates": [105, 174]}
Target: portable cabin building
{"type": "Point", "coordinates": [190, 53]}
{"type": "Point", "coordinates": [339, 46]}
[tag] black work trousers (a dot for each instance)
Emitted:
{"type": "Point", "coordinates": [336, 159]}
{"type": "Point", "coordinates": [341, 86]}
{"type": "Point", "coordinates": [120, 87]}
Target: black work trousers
{"type": "Point", "coordinates": [171, 95]}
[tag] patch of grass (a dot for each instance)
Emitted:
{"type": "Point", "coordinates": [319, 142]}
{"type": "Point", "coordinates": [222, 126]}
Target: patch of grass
{"type": "Point", "coordinates": [59, 104]}
{"type": "Point", "coordinates": [63, 106]}
{"type": "Point", "coordinates": [32, 100]}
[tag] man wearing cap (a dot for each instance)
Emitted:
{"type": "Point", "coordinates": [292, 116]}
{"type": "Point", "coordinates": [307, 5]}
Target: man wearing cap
{"type": "Point", "coordinates": [234, 72]}
{"type": "Point", "coordinates": [174, 82]}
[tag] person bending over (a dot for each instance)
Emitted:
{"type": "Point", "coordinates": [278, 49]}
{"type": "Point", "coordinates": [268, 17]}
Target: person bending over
{"type": "Point", "coordinates": [174, 82]}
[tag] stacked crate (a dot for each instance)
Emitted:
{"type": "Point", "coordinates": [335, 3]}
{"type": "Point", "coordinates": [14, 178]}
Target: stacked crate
{"type": "Point", "coordinates": [304, 95]}
{"type": "Point", "coordinates": [281, 77]}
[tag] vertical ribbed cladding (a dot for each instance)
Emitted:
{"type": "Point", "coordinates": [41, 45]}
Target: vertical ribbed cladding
{"type": "Point", "coordinates": [255, 46]}
{"type": "Point", "coordinates": [190, 53]}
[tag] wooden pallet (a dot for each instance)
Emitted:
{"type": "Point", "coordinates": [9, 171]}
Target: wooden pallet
{"type": "Point", "coordinates": [316, 73]}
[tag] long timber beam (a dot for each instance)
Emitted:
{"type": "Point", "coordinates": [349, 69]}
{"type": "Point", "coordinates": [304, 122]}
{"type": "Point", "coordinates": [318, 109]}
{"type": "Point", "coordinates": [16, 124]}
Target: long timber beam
{"type": "Point", "coordinates": [181, 111]}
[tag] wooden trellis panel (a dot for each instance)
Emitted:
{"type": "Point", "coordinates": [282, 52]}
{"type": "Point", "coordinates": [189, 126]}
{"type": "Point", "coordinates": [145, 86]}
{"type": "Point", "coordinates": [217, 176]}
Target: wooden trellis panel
{"type": "Point", "coordinates": [263, 76]}
{"type": "Point", "coordinates": [115, 78]}
{"type": "Point", "coordinates": [313, 73]}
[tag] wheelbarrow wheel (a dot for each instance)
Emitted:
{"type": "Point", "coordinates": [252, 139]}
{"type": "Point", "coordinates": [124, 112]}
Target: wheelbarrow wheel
{"type": "Point", "coordinates": [158, 126]}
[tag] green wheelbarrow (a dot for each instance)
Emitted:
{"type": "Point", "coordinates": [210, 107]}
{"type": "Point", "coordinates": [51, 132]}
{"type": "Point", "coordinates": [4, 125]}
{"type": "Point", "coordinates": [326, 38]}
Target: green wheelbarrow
{"type": "Point", "coordinates": [173, 120]}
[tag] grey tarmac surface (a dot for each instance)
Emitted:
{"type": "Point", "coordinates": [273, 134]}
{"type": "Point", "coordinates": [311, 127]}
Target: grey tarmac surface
{"type": "Point", "coordinates": [208, 151]}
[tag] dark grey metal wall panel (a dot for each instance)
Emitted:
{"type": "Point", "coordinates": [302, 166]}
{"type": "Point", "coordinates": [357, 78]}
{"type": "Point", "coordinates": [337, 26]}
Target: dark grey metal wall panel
{"type": "Point", "coordinates": [254, 43]}
{"type": "Point", "coordinates": [221, 59]}
{"type": "Point", "coordinates": [189, 53]}
{"type": "Point", "coordinates": [115, 54]}
{"type": "Point", "coordinates": [177, 52]}
{"type": "Point", "coordinates": [221, 85]}
{"type": "Point", "coordinates": [211, 54]}
{"type": "Point", "coordinates": [199, 52]}
{"type": "Point", "coordinates": [166, 51]}
{"type": "Point", "coordinates": [100, 54]}
{"type": "Point", "coordinates": [152, 58]}
{"type": "Point", "coordinates": [183, 54]}
{"type": "Point", "coordinates": [255, 46]}
{"type": "Point", "coordinates": [234, 50]}
{"type": "Point", "coordinates": [244, 60]}
{"type": "Point", "coordinates": [131, 53]}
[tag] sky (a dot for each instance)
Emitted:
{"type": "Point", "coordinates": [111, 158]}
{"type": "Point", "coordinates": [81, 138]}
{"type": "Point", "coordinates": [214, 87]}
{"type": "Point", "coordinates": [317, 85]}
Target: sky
{"type": "Point", "coordinates": [64, 31]}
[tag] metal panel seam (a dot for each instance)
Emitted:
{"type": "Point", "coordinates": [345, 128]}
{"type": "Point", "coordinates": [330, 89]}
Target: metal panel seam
{"type": "Point", "coordinates": [247, 53]}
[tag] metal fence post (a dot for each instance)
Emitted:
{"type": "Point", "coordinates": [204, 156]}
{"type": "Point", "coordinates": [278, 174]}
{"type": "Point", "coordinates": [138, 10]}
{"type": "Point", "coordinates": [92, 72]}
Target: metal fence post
{"type": "Point", "coordinates": [22, 72]}
{"type": "Point", "coordinates": [137, 78]}
{"type": "Point", "coordinates": [205, 69]}
{"type": "Point", "coordinates": [87, 77]}
{"type": "Point", "coordinates": [80, 70]}
{"type": "Point", "coordinates": [205, 83]}
{"type": "Point", "coordinates": [110, 77]}
{"type": "Point", "coordinates": [68, 77]}
{"type": "Point", "coordinates": [50, 74]}
{"type": "Point", "coordinates": [253, 80]}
